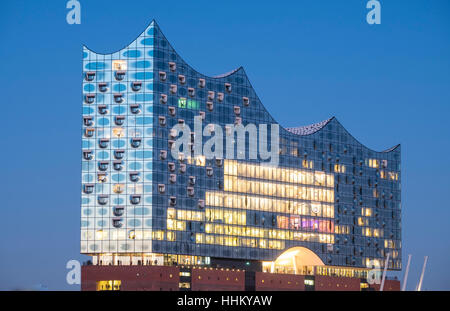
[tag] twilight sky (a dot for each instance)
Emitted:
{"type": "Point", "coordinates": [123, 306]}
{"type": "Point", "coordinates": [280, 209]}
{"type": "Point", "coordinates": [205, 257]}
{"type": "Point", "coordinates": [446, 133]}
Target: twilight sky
{"type": "Point", "coordinates": [308, 60]}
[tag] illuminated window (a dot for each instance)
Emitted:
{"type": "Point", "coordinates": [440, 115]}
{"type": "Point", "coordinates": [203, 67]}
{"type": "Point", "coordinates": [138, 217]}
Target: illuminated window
{"type": "Point", "coordinates": [171, 213]}
{"type": "Point", "coordinates": [339, 168]}
{"type": "Point", "coordinates": [365, 211]}
{"type": "Point", "coordinates": [182, 102]}
{"type": "Point", "coordinates": [199, 238]}
{"type": "Point", "coordinates": [176, 225]}
{"type": "Point", "coordinates": [199, 160]}
{"type": "Point", "coordinates": [376, 233]}
{"type": "Point", "coordinates": [101, 235]}
{"type": "Point", "coordinates": [361, 221]}
{"type": "Point", "coordinates": [373, 163]}
{"type": "Point", "coordinates": [389, 244]}
{"type": "Point", "coordinates": [375, 193]}
{"type": "Point", "coordinates": [281, 190]}
{"type": "Point", "coordinates": [108, 285]}
{"type": "Point", "coordinates": [393, 175]}
{"type": "Point", "coordinates": [308, 164]}
{"type": "Point", "coordinates": [118, 132]}
{"type": "Point", "coordinates": [192, 104]}
{"type": "Point", "coordinates": [367, 231]}
{"type": "Point", "coordinates": [132, 235]}
{"type": "Point", "coordinates": [118, 188]}
{"type": "Point", "coordinates": [158, 235]}
{"type": "Point", "coordinates": [119, 65]}
{"type": "Point", "coordinates": [170, 236]}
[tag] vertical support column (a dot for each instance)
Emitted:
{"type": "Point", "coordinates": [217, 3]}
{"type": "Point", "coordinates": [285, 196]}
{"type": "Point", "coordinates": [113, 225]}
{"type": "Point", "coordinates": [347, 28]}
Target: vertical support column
{"type": "Point", "coordinates": [405, 278]}
{"type": "Point", "coordinates": [419, 287]}
{"type": "Point", "coordinates": [384, 272]}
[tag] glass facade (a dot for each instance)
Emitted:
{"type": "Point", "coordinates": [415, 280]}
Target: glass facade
{"type": "Point", "coordinates": [328, 193]}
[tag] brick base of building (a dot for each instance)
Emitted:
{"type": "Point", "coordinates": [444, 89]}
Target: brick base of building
{"type": "Point", "coordinates": [175, 278]}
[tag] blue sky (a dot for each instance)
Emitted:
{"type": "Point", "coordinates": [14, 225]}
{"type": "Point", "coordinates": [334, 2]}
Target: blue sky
{"type": "Point", "coordinates": [308, 60]}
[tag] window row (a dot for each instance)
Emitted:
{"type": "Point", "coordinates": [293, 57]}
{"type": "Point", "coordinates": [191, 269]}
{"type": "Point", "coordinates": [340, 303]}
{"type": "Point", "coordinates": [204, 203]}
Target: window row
{"type": "Point", "coordinates": [250, 231]}
{"type": "Point", "coordinates": [247, 202]}
{"type": "Point", "coordinates": [235, 184]}
{"type": "Point", "coordinates": [317, 178]}
{"type": "Point", "coordinates": [118, 155]}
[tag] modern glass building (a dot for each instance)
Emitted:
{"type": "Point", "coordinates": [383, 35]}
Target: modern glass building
{"type": "Point", "coordinates": [329, 202]}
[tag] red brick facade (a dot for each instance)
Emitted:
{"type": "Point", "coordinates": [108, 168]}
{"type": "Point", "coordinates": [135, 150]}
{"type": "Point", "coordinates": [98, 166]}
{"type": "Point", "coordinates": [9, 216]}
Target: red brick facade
{"type": "Point", "coordinates": [167, 278]}
{"type": "Point", "coordinates": [217, 280]}
{"type": "Point", "coordinates": [279, 282]}
{"type": "Point", "coordinates": [389, 285]}
{"type": "Point", "coordinates": [134, 278]}
{"type": "Point", "coordinates": [330, 283]}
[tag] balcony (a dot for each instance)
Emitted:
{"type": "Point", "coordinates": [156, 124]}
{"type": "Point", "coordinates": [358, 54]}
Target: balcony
{"type": "Point", "coordinates": [118, 165]}
{"type": "Point", "coordinates": [117, 222]}
{"type": "Point", "coordinates": [103, 166]}
{"type": "Point", "coordinates": [88, 155]}
{"type": "Point", "coordinates": [135, 142]}
{"type": "Point", "coordinates": [89, 132]}
{"type": "Point", "coordinates": [88, 188]}
{"type": "Point", "coordinates": [88, 121]}
{"type": "Point", "coordinates": [119, 154]}
{"type": "Point", "coordinates": [135, 199]}
{"type": "Point", "coordinates": [89, 76]}
{"type": "Point", "coordinates": [118, 210]}
{"type": "Point", "coordinates": [120, 75]}
{"type": "Point", "coordinates": [118, 98]}
{"type": "Point", "coordinates": [103, 143]}
{"type": "Point", "coordinates": [119, 120]}
{"type": "Point", "coordinates": [136, 86]}
{"type": "Point", "coordinates": [134, 176]}
{"type": "Point", "coordinates": [201, 83]}
{"type": "Point", "coordinates": [135, 108]}
{"type": "Point", "coordinates": [102, 199]}
{"type": "Point", "coordinates": [172, 66]}
{"type": "Point", "coordinates": [102, 109]}
{"type": "Point", "coordinates": [89, 98]}
{"type": "Point", "coordinates": [103, 87]}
